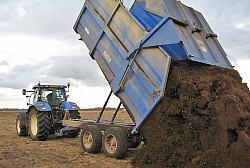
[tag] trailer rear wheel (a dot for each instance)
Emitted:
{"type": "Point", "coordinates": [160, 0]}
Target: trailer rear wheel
{"type": "Point", "coordinates": [91, 139]}
{"type": "Point", "coordinates": [21, 130]}
{"type": "Point", "coordinates": [115, 142]}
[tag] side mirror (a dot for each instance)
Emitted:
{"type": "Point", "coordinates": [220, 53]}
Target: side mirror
{"type": "Point", "coordinates": [24, 91]}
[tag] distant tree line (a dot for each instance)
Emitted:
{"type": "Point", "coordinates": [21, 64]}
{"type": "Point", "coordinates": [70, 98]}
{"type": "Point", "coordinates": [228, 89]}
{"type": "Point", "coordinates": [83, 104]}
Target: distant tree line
{"type": "Point", "coordinates": [89, 109]}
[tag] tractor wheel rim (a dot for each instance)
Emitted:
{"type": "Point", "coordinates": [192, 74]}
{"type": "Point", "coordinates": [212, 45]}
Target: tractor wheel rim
{"type": "Point", "coordinates": [110, 143]}
{"type": "Point", "coordinates": [18, 126]}
{"type": "Point", "coordinates": [33, 124]}
{"type": "Point", "coordinates": [87, 139]}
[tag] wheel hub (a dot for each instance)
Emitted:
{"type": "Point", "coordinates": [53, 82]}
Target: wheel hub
{"type": "Point", "coordinates": [87, 139]}
{"type": "Point", "coordinates": [111, 143]}
{"type": "Point", "coordinates": [33, 124]}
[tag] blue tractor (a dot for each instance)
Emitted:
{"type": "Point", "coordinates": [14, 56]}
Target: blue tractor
{"type": "Point", "coordinates": [48, 106]}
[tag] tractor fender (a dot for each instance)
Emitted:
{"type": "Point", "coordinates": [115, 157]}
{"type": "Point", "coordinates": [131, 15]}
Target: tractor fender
{"type": "Point", "coordinates": [69, 106]}
{"type": "Point", "coordinates": [23, 118]}
{"type": "Point", "coordinates": [42, 106]}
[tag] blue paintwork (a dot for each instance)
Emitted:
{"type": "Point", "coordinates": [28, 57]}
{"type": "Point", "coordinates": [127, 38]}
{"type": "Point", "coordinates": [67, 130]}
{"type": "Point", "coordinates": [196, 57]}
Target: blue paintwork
{"type": "Point", "coordinates": [69, 106]}
{"type": "Point", "coordinates": [42, 106]}
{"type": "Point", "coordinates": [181, 43]}
{"type": "Point", "coordinates": [149, 21]}
{"type": "Point", "coordinates": [134, 51]}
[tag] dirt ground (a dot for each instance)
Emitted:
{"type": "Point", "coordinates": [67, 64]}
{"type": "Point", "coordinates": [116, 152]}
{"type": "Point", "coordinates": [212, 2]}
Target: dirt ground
{"type": "Point", "coordinates": [55, 152]}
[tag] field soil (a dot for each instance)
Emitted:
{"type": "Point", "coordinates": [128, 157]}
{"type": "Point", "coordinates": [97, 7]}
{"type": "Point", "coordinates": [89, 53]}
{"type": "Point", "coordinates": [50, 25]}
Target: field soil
{"type": "Point", "coordinates": [55, 152]}
{"type": "Point", "coordinates": [202, 121]}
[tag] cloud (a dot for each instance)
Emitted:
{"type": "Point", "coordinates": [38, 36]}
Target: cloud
{"type": "Point", "coordinates": [32, 31]}
{"type": "Point", "coordinates": [4, 63]}
{"type": "Point", "coordinates": [57, 69]}
{"type": "Point", "coordinates": [81, 68]}
{"type": "Point", "coordinates": [2, 95]}
{"type": "Point", "coordinates": [39, 18]}
{"type": "Point", "coordinates": [17, 77]}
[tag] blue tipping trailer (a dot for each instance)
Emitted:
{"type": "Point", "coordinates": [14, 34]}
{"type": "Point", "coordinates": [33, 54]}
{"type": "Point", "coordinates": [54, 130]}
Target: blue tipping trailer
{"type": "Point", "coordinates": [134, 50]}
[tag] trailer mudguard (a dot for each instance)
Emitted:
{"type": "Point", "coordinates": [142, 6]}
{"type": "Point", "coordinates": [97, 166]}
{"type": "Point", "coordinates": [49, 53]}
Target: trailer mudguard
{"type": "Point", "coordinates": [69, 106]}
{"type": "Point", "coordinates": [42, 106]}
{"type": "Point", "coordinates": [23, 118]}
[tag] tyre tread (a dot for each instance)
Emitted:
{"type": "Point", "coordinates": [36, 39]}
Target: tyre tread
{"type": "Point", "coordinates": [122, 142]}
{"type": "Point", "coordinates": [97, 138]}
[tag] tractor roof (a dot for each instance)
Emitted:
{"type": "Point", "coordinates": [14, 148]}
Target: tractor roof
{"type": "Point", "coordinates": [49, 86]}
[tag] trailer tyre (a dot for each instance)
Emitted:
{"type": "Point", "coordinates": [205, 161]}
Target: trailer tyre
{"type": "Point", "coordinates": [39, 125]}
{"type": "Point", "coordinates": [91, 139]}
{"type": "Point", "coordinates": [21, 130]}
{"type": "Point", "coordinates": [115, 143]}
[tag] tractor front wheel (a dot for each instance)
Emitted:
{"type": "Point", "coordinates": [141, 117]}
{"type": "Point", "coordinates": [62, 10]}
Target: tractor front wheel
{"type": "Point", "coordinates": [39, 125]}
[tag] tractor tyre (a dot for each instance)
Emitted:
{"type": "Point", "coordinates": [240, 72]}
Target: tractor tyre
{"type": "Point", "coordinates": [39, 125]}
{"type": "Point", "coordinates": [91, 139]}
{"type": "Point", "coordinates": [115, 143]}
{"type": "Point", "coordinates": [21, 130]}
{"type": "Point", "coordinates": [74, 114]}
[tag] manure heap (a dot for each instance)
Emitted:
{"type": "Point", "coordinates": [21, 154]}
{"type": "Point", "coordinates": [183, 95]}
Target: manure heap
{"type": "Point", "coordinates": [202, 121]}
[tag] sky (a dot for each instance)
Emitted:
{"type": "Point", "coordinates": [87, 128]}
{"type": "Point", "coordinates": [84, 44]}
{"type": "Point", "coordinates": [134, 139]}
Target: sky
{"type": "Point", "coordinates": [38, 43]}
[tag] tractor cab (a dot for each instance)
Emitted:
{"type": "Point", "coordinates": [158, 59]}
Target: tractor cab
{"type": "Point", "coordinates": [52, 94]}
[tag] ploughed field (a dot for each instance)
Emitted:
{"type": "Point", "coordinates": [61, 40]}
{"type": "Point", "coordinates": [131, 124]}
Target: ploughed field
{"type": "Point", "coordinates": [56, 151]}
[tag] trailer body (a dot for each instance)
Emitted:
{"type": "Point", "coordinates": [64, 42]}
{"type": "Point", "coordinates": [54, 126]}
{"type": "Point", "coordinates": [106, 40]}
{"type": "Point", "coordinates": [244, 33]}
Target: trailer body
{"type": "Point", "coordinates": [134, 49]}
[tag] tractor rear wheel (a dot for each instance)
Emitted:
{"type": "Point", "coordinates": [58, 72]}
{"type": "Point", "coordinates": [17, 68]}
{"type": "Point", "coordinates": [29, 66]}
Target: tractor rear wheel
{"type": "Point", "coordinates": [115, 143]}
{"type": "Point", "coordinates": [74, 114]}
{"type": "Point", "coordinates": [91, 139]}
{"type": "Point", "coordinates": [21, 130]}
{"type": "Point", "coordinates": [39, 125]}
